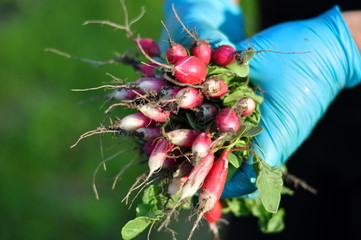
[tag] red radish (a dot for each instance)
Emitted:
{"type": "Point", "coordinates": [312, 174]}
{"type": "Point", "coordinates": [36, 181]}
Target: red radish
{"type": "Point", "coordinates": [188, 98]}
{"type": "Point", "coordinates": [155, 113]}
{"type": "Point", "coordinates": [203, 50]}
{"type": "Point", "coordinates": [212, 187]}
{"type": "Point", "coordinates": [149, 46]}
{"type": "Point", "coordinates": [182, 137]}
{"type": "Point", "coordinates": [224, 55]}
{"type": "Point", "coordinates": [148, 133]}
{"type": "Point", "coordinates": [197, 176]}
{"type": "Point", "coordinates": [246, 106]}
{"type": "Point", "coordinates": [188, 69]}
{"type": "Point", "coordinates": [212, 216]}
{"type": "Point", "coordinates": [121, 94]}
{"type": "Point", "coordinates": [152, 84]}
{"type": "Point", "coordinates": [148, 147]}
{"type": "Point", "coordinates": [214, 87]}
{"type": "Point", "coordinates": [176, 185]}
{"type": "Point", "coordinates": [134, 121]}
{"type": "Point", "coordinates": [147, 69]}
{"type": "Point", "coordinates": [175, 51]}
{"type": "Point", "coordinates": [227, 121]}
{"type": "Point", "coordinates": [206, 112]}
{"type": "Point", "coordinates": [201, 145]}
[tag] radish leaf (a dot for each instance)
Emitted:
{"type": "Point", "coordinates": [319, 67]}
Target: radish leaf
{"type": "Point", "coordinates": [134, 227]}
{"type": "Point", "coordinates": [269, 183]}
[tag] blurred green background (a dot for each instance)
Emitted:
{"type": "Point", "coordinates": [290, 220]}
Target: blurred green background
{"type": "Point", "coordinates": [45, 186]}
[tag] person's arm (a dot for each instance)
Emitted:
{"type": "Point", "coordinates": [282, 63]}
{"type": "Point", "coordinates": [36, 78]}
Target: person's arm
{"type": "Point", "coordinates": [353, 21]}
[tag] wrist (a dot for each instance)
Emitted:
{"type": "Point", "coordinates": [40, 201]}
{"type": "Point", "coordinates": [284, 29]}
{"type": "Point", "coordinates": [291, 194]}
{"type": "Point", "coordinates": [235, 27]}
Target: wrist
{"type": "Point", "coordinates": [353, 20]}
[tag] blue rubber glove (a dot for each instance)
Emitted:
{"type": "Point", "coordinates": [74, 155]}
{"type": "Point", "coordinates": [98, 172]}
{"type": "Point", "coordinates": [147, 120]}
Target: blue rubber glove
{"type": "Point", "coordinates": [298, 87]}
{"type": "Point", "coordinates": [218, 21]}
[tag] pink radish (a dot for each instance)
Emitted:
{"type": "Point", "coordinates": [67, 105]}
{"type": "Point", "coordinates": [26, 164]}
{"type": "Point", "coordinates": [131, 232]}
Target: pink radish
{"type": "Point", "coordinates": [246, 106]}
{"type": "Point", "coordinates": [155, 113]}
{"type": "Point", "coordinates": [212, 187]}
{"type": "Point", "coordinates": [148, 133]}
{"type": "Point", "coordinates": [149, 46]}
{"type": "Point", "coordinates": [158, 155]}
{"type": "Point", "coordinates": [134, 121]}
{"type": "Point", "coordinates": [214, 87]}
{"type": "Point", "coordinates": [201, 145]}
{"type": "Point", "coordinates": [182, 137]}
{"type": "Point", "coordinates": [197, 176]}
{"type": "Point", "coordinates": [188, 98]}
{"type": "Point", "coordinates": [203, 50]}
{"type": "Point", "coordinates": [206, 112]}
{"type": "Point", "coordinates": [227, 121]}
{"type": "Point", "coordinates": [224, 55]}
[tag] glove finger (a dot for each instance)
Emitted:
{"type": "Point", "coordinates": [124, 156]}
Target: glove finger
{"type": "Point", "coordinates": [242, 183]}
{"type": "Point", "coordinates": [220, 22]}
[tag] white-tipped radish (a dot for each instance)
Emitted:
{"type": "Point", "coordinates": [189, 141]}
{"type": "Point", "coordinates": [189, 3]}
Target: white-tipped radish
{"type": "Point", "coordinates": [197, 176]}
{"type": "Point", "coordinates": [246, 106]}
{"type": "Point", "coordinates": [212, 187]}
{"type": "Point", "coordinates": [182, 137]}
{"type": "Point", "coordinates": [135, 121]}
{"type": "Point", "coordinates": [188, 98]}
{"type": "Point", "coordinates": [148, 147]}
{"type": "Point", "coordinates": [201, 145]}
{"type": "Point", "coordinates": [212, 217]}
{"type": "Point", "coordinates": [155, 113]}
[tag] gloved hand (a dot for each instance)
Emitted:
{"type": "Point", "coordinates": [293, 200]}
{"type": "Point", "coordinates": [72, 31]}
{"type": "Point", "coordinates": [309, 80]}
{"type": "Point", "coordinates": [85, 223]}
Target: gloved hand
{"type": "Point", "coordinates": [298, 88]}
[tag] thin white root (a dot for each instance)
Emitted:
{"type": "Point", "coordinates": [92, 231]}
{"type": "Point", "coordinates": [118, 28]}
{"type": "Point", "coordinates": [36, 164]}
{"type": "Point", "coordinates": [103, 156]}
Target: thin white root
{"type": "Point", "coordinates": [196, 223]}
{"type": "Point", "coordinates": [102, 163]}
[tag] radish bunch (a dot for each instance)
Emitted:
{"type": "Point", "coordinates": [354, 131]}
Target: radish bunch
{"type": "Point", "coordinates": [193, 108]}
